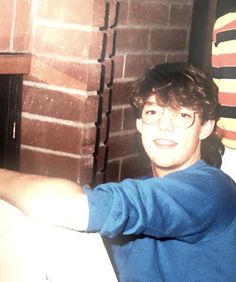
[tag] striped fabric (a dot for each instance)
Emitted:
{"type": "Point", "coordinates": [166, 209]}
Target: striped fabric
{"type": "Point", "coordinates": [224, 74]}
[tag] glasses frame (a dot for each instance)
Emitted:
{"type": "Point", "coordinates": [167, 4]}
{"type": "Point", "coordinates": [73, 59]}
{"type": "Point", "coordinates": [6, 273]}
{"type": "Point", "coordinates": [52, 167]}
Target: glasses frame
{"type": "Point", "coordinates": [171, 118]}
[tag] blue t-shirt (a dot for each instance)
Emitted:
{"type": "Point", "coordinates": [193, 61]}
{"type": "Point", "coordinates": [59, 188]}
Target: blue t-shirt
{"type": "Point", "coordinates": [180, 227]}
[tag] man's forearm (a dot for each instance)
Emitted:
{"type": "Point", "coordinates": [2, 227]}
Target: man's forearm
{"type": "Point", "coordinates": [50, 200]}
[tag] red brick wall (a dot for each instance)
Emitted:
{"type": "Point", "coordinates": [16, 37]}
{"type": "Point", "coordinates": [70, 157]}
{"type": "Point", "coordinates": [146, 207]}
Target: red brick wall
{"type": "Point", "coordinates": [60, 101]}
{"type": "Point", "coordinates": [76, 121]}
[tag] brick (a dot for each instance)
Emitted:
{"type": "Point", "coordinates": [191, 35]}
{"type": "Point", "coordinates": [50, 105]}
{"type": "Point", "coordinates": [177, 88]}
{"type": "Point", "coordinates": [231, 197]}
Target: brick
{"type": "Point", "coordinates": [6, 16]}
{"type": "Point", "coordinates": [116, 120]}
{"type": "Point", "coordinates": [70, 11]}
{"type": "Point", "coordinates": [103, 47]}
{"type": "Point", "coordinates": [53, 104]}
{"type": "Point", "coordinates": [121, 145]}
{"type": "Point", "coordinates": [135, 167]}
{"type": "Point", "coordinates": [65, 73]}
{"type": "Point", "coordinates": [95, 45]}
{"type": "Point", "coordinates": [86, 170]}
{"type": "Point", "coordinates": [120, 92]}
{"type": "Point", "coordinates": [118, 66]}
{"type": "Point", "coordinates": [91, 109]}
{"type": "Point", "coordinates": [129, 119]}
{"type": "Point", "coordinates": [177, 57]}
{"type": "Point", "coordinates": [86, 150]}
{"type": "Point", "coordinates": [67, 42]}
{"type": "Point", "coordinates": [100, 157]}
{"type": "Point", "coordinates": [112, 171]}
{"type": "Point", "coordinates": [94, 76]}
{"type": "Point", "coordinates": [168, 39]}
{"type": "Point", "coordinates": [49, 135]}
{"type": "Point", "coordinates": [148, 13]}
{"type": "Point", "coordinates": [106, 100]}
{"type": "Point", "coordinates": [110, 47]}
{"type": "Point", "coordinates": [99, 12]}
{"type": "Point", "coordinates": [49, 164]}
{"type": "Point", "coordinates": [181, 15]}
{"type": "Point", "coordinates": [132, 39]}
{"type": "Point", "coordinates": [112, 12]}
{"type": "Point", "coordinates": [22, 31]}
{"type": "Point", "coordinates": [88, 140]}
{"type": "Point", "coordinates": [85, 175]}
{"type": "Point", "coordinates": [83, 12]}
{"type": "Point", "coordinates": [103, 130]}
{"type": "Point", "coordinates": [108, 71]}
{"type": "Point", "coordinates": [136, 64]}
{"type": "Point", "coordinates": [87, 161]}
{"type": "Point", "coordinates": [123, 13]}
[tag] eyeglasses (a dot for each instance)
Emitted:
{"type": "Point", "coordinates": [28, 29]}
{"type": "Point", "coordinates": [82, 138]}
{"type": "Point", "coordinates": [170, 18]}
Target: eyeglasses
{"type": "Point", "coordinates": [181, 118]}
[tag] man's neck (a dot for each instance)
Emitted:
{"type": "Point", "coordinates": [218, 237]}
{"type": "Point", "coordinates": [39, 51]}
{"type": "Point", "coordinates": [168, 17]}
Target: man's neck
{"type": "Point", "coordinates": [158, 171]}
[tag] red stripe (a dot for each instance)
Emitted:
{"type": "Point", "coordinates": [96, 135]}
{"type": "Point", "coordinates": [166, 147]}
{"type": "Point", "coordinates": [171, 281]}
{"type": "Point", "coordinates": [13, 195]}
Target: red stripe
{"type": "Point", "coordinates": [215, 60]}
{"type": "Point", "coordinates": [224, 60]}
{"type": "Point", "coordinates": [231, 135]}
{"type": "Point", "coordinates": [227, 99]}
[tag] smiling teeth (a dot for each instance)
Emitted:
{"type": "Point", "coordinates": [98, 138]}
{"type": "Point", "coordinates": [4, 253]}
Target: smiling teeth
{"type": "Point", "coordinates": [164, 142]}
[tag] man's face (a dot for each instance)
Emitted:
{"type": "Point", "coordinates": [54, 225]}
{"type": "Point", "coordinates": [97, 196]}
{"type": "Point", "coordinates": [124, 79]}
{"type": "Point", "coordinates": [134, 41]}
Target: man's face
{"type": "Point", "coordinates": [173, 141]}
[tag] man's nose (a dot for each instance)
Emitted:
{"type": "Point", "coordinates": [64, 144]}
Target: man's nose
{"type": "Point", "coordinates": [165, 122]}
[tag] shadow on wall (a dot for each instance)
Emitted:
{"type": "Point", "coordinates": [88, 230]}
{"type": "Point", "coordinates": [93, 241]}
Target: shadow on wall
{"type": "Point", "coordinates": [101, 91]}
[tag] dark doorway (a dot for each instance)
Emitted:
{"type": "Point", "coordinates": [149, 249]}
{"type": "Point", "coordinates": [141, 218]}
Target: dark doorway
{"type": "Point", "coordinates": [10, 115]}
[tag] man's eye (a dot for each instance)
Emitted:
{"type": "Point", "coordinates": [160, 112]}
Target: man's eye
{"type": "Point", "coordinates": [150, 112]}
{"type": "Point", "coordinates": [186, 115]}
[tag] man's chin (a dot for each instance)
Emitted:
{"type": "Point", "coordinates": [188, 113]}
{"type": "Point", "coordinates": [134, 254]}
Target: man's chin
{"type": "Point", "coordinates": [165, 164]}
{"type": "Point", "coordinates": [164, 160]}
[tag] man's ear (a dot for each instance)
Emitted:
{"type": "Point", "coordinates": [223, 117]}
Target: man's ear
{"type": "Point", "coordinates": [139, 125]}
{"type": "Point", "coordinates": [206, 129]}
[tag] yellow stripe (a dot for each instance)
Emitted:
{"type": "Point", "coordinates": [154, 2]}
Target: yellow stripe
{"type": "Point", "coordinates": [226, 85]}
{"type": "Point", "coordinates": [227, 123]}
{"type": "Point", "coordinates": [226, 47]}
{"type": "Point", "coordinates": [225, 20]}
{"type": "Point", "coordinates": [229, 143]}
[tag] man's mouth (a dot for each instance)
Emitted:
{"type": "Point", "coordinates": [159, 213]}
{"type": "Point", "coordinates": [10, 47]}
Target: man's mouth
{"type": "Point", "coordinates": [166, 143]}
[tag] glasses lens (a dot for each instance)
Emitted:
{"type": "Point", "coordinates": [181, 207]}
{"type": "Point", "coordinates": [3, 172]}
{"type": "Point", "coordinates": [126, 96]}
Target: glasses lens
{"type": "Point", "coordinates": [151, 114]}
{"type": "Point", "coordinates": [183, 118]}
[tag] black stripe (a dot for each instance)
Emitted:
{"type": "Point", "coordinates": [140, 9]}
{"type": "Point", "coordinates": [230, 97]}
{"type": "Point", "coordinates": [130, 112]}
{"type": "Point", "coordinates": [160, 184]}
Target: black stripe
{"type": "Point", "coordinates": [216, 72]}
{"type": "Point", "coordinates": [225, 36]}
{"type": "Point", "coordinates": [224, 7]}
{"type": "Point", "coordinates": [227, 112]}
{"type": "Point", "coordinates": [224, 72]}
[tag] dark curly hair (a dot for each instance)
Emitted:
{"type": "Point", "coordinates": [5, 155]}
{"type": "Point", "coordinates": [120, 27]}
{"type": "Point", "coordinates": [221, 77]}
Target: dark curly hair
{"type": "Point", "coordinates": [182, 85]}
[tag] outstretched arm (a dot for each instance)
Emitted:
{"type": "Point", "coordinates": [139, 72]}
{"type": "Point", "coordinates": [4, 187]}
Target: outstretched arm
{"type": "Point", "coordinates": [50, 200]}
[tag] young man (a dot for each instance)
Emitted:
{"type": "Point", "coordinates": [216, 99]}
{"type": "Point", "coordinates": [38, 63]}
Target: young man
{"type": "Point", "coordinates": [178, 225]}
